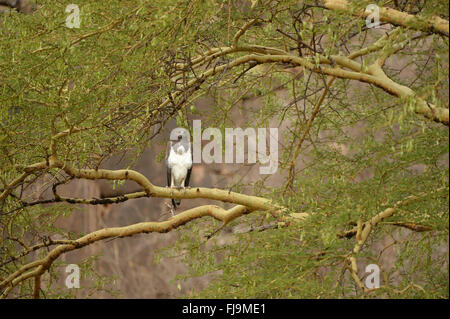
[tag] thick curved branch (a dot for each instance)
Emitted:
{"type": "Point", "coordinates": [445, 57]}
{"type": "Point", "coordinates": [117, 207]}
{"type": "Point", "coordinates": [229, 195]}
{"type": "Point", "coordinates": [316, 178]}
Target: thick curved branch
{"type": "Point", "coordinates": [149, 189]}
{"type": "Point", "coordinates": [395, 17]}
{"type": "Point", "coordinates": [37, 268]}
{"type": "Point", "coordinates": [375, 75]}
{"type": "Point", "coordinates": [165, 192]}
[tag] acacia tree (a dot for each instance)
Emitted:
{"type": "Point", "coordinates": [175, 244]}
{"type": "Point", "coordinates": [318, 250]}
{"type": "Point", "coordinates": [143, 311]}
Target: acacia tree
{"type": "Point", "coordinates": [72, 98]}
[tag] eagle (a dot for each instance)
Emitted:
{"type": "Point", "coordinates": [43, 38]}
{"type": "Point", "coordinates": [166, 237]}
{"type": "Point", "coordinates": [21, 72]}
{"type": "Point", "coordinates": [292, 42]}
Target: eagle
{"type": "Point", "coordinates": [179, 158]}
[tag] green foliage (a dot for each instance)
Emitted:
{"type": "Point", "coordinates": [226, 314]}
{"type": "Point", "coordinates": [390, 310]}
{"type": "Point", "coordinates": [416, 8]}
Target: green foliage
{"type": "Point", "coordinates": [113, 78]}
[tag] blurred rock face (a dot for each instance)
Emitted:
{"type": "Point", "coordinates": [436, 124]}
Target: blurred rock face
{"type": "Point", "coordinates": [23, 6]}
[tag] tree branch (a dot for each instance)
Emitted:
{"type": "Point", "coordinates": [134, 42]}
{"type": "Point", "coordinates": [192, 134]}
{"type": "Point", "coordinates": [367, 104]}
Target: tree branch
{"type": "Point", "coordinates": [40, 266]}
{"type": "Point", "coordinates": [362, 232]}
{"type": "Point", "coordinates": [395, 17]}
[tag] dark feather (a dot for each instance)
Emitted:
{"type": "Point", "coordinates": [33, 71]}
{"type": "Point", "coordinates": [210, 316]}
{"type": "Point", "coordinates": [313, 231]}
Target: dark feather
{"type": "Point", "coordinates": [169, 172]}
{"type": "Point", "coordinates": [188, 175]}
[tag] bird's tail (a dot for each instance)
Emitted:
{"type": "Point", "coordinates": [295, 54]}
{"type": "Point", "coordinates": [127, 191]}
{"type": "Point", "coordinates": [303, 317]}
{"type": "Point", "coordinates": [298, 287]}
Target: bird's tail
{"type": "Point", "coordinates": [176, 202]}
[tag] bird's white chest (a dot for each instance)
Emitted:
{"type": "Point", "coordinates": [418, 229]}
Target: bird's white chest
{"type": "Point", "coordinates": [180, 163]}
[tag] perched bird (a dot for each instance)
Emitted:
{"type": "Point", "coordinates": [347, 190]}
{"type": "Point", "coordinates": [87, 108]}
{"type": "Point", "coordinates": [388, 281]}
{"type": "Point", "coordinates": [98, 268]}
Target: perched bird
{"type": "Point", "coordinates": [179, 159]}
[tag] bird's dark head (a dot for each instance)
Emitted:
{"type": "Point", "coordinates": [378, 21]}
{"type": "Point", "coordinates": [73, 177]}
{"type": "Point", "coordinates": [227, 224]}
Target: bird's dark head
{"type": "Point", "coordinates": [179, 134]}
{"type": "Point", "coordinates": [182, 138]}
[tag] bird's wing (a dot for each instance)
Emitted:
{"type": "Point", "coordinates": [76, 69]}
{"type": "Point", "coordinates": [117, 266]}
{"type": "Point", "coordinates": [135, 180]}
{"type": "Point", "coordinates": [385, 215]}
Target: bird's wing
{"type": "Point", "coordinates": [188, 176]}
{"type": "Point", "coordinates": [169, 170]}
